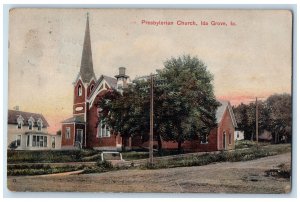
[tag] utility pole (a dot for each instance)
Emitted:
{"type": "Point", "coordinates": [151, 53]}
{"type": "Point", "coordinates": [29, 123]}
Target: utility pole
{"type": "Point", "coordinates": [151, 122]}
{"type": "Point", "coordinates": [256, 122]}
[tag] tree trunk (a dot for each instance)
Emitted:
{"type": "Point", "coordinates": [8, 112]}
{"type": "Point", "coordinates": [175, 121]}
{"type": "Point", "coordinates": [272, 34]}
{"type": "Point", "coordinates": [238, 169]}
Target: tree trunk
{"type": "Point", "coordinates": [179, 146]}
{"type": "Point", "coordinates": [123, 144]}
{"type": "Point", "coordinates": [159, 144]}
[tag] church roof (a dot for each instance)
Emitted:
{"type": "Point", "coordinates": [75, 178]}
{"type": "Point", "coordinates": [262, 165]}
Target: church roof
{"type": "Point", "coordinates": [74, 119]}
{"type": "Point", "coordinates": [110, 80]}
{"type": "Point", "coordinates": [221, 110]}
{"type": "Point", "coordinates": [14, 114]}
{"type": "Point", "coordinates": [86, 67]}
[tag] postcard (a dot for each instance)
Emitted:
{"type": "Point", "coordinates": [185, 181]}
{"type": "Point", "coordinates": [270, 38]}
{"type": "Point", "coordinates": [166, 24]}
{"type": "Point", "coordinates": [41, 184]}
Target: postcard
{"type": "Point", "coordinates": [149, 101]}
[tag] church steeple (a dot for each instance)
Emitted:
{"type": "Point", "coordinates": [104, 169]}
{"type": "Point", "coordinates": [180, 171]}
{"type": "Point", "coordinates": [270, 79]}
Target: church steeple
{"type": "Point", "coordinates": [86, 67]}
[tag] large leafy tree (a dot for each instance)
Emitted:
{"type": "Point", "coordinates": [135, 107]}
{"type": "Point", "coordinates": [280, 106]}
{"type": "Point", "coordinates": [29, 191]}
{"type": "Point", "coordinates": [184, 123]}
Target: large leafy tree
{"type": "Point", "coordinates": [187, 102]}
{"type": "Point", "coordinates": [184, 103]}
{"type": "Point", "coordinates": [275, 115]}
{"type": "Point", "coordinates": [246, 118]}
{"type": "Point", "coordinates": [280, 107]}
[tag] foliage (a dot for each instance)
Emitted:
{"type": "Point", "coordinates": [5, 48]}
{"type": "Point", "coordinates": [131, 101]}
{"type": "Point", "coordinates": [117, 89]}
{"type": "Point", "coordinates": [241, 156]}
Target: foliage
{"type": "Point", "coordinates": [100, 167]}
{"type": "Point", "coordinates": [104, 164]}
{"type": "Point", "coordinates": [13, 145]}
{"type": "Point", "coordinates": [243, 144]}
{"type": "Point", "coordinates": [49, 156]}
{"type": "Point", "coordinates": [280, 116]}
{"type": "Point", "coordinates": [223, 156]}
{"type": "Point", "coordinates": [274, 115]}
{"type": "Point", "coordinates": [38, 169]}
{"type": "Point", "coordinates": [185, 104]}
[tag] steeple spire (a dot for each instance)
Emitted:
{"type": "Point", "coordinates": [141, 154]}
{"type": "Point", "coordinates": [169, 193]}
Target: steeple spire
{"type": "Point", "coordinates": [86, 67]}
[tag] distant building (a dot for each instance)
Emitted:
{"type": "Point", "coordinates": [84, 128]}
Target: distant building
{"type": "Point", "coordinates": [239, 135]}
{"type": "Point", "coordinates": [265, 135]}
{"type": "Point", "coordinates": [28, 131]}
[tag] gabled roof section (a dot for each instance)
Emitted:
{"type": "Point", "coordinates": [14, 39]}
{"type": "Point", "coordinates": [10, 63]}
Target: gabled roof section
{"type": "Point", "coordinates": [112, 82]}
{"type": "Point", "coordinates": [14, 114]}
{"type": "Point", "coordinates": [221, 110]}
{"type": "Point", "coordinates": [86, 67]}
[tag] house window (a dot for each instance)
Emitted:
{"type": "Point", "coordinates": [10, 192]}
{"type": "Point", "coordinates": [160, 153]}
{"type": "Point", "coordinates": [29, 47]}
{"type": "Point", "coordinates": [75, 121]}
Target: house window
{"type": "Point", "coordinates": [39, 141]}
{"type": "Point", "coordinates": [79, 90]}
{"type": "Point", "coordinates": [229, 138]}
{"type": "Point", "coordinates": [34, 140]}
{"type": "Point", "coordinates": [92, 86]}
{"type": "Point", "coordinates": [68, 133]}
{"type": "Point", "coordinates": [20, 122]}
{"type": "Point", "coordinates": [28, 140]}
{"type": "Point", "coordinates": [18, 140]}
{"type": "Point", "coordinates": [30, 125]}
{"type": "Point", "coordinates": [204, 139]}
{"type": "Point", "coordinates": [45, 141]}
{"type": "Point", "coordinates": [53, 142]}
{"type": "Point", "coordinates": [19, 125]}
{"type": "Point", "coordinates": [40, 125]}
{"type": "Point", "coordinates": [103, 130]}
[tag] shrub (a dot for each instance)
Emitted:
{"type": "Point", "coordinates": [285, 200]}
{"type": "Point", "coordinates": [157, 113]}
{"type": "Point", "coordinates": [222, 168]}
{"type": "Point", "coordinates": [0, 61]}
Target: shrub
{"type": "Point", "coordinates": [48, 156]}
{"type": "Point", "coordinates": [104, 165]}
{"type": "Point", "coordinates": [40, 169]}
{"type": "Point", "coordinates": [231, 156]}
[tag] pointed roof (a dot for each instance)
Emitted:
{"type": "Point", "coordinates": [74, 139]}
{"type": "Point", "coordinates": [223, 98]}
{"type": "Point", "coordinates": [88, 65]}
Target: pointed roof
{"type": "Point", "coordinates": [86, 67]}
{"type": "Point", "coordinates": [221, 110]}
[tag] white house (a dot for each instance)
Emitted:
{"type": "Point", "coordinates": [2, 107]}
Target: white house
{"type": "Point", "coordinates": [28, 131]}
{"type": "Point", "coordinates": [238, 135]}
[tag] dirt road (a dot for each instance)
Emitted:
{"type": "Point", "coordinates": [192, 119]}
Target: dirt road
{"type": "Point", "coordinates": [237, 177]}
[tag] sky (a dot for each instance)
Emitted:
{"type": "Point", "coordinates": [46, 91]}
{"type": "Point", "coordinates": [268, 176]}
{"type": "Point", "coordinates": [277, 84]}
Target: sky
{"type": "Point", "coordinates": [250, 57]}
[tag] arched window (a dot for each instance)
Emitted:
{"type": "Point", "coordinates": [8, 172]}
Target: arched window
{"type": "Point", "coordinates": [79, 90]}
{"type": "Point", "coordinates": [103, 130]}
{"type": "Point", "coordinates": [92, 87]}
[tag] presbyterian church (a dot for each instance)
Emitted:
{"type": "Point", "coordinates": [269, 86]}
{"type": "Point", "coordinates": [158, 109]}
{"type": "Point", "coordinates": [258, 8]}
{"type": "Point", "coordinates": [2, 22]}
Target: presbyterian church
{"type": "Point", "coordinates": [83, 130]}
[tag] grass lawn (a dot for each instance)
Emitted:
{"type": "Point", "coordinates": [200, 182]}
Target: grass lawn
{"type": "Point", "coordinates": [231, 156]}
{"type": "Point", "coordinates": [247, 151]}
{"type": "Point", "coordinates": [52, 156]}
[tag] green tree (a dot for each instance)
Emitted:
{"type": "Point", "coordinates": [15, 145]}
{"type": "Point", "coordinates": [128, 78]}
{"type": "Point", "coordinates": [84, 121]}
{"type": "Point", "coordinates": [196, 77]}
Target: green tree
{"type": "Point", "coordinates": [184, 103]}
{"type": "Point", "coordinates": [280, 107]}
{"type": "Point", "coordinates": [275, 115]}
{"type": "Point", "coordinates": [187, 102]}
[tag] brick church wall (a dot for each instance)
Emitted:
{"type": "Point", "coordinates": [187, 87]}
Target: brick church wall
{"type": "Point", "coordinates": [67, 141]}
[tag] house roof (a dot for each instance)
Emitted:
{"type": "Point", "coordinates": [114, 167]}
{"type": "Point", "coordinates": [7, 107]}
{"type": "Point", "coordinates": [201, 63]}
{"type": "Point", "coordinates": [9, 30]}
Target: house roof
{"type": "Point", "coordinates": [74, 119]}
{"type": "Point", "coordinates": [221, 110]}
{"type": "Point", "coordinates": [14, 114]}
